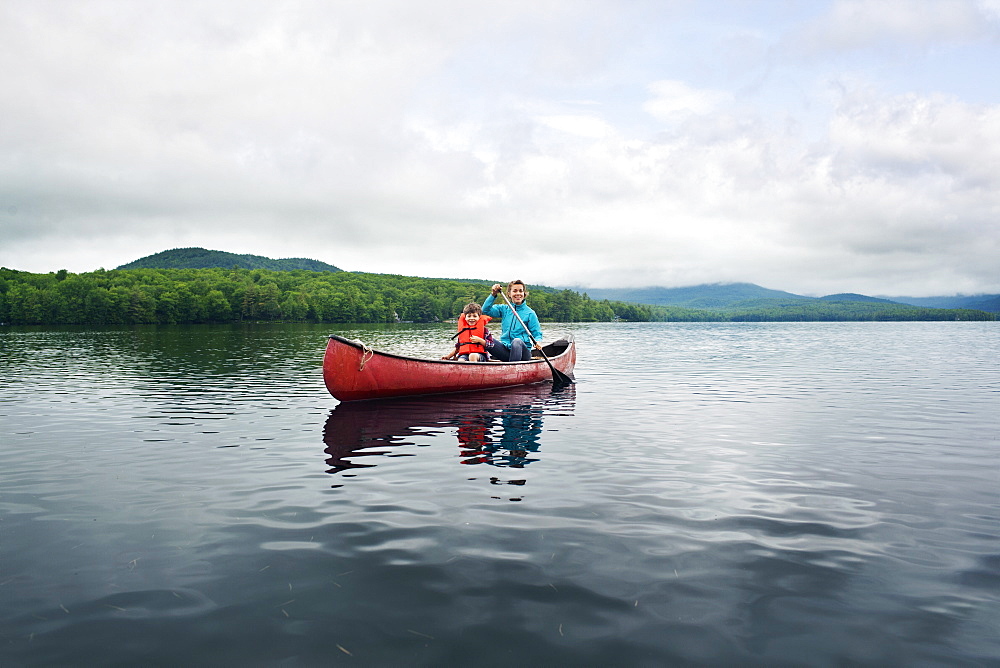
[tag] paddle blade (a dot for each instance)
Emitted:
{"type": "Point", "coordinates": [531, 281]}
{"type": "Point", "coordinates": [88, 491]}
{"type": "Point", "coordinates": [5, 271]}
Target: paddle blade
{"type": "Point", "coordinates": [559, 379]}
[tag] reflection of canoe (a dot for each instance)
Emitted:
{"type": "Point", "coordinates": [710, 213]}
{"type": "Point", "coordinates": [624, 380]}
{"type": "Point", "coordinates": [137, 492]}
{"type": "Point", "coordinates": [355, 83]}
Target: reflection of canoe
{"type": "Point", "coordinates": [353, 371]}
{"type": "Point", "coordinates": [507, 418]}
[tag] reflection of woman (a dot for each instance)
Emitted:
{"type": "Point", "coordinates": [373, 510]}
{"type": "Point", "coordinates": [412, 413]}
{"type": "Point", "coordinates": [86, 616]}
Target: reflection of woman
{"type": "Point", "coordinates": [520, 427]}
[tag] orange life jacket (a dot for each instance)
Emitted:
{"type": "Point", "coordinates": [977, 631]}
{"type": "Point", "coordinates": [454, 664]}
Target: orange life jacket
{"type": "Point", "coordinates": [466, 332]}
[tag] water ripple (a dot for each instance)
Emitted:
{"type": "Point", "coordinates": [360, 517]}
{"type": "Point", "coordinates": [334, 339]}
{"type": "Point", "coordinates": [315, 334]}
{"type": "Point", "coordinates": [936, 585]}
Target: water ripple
{"type": "Point", "coordinates": [775, 494]}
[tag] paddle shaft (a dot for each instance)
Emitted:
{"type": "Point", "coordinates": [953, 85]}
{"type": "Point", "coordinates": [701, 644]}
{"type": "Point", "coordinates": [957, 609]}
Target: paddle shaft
{"type": "Point", "coordinates": [557, 375]}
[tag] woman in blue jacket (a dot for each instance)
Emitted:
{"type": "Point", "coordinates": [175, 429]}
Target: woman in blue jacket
{"type": "Point", "coordinates": [514, 343]}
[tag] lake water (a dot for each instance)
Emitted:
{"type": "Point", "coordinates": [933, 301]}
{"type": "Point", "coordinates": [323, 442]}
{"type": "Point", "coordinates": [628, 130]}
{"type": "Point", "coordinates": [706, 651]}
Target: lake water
{"type": "Point", "coordinates": [707, 494]}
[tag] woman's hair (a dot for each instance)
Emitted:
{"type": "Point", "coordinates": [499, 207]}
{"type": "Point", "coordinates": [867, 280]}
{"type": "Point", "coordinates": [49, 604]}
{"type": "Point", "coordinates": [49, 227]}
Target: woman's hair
{"type": "Point", "coordinates": [472, 307]}
{"type": "Point", "coordinates": [517, 281]}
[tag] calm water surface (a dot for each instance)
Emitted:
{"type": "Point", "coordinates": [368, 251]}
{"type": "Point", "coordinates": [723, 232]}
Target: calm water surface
{"type": "Point", "coordinates": [706, 494]}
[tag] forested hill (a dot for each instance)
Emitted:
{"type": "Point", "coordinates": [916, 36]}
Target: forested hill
{"type": "Point", "coordinates": [201, 258]}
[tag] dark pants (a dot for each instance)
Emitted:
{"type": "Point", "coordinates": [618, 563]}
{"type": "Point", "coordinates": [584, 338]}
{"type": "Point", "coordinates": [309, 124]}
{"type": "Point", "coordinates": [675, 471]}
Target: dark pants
{"type": "Point", "coordinates": [517, 352]}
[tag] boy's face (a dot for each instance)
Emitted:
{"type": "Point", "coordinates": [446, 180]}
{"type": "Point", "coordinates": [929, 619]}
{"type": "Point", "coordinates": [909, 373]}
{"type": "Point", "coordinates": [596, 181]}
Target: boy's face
{"type": "Point", "coordinates": [517, 293]}
{"type": "Point", "coordinates": [471, 318]}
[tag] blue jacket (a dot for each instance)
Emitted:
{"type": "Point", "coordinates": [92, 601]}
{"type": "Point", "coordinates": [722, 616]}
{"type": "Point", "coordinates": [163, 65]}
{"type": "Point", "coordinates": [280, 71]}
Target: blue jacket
{"type": "Point", "coordinates": [510, 328]}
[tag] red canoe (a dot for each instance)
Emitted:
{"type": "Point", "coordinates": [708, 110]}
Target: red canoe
{"type": "Point", "coordinates": [353, 371]}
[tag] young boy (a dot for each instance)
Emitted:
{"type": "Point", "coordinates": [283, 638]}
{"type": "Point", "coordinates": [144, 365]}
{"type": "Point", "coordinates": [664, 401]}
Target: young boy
{"type": "Point", "coordinates": [472, 335]}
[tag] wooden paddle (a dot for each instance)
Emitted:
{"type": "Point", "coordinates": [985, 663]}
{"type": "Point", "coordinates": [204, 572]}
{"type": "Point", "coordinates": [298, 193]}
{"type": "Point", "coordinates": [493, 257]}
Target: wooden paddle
{"type": "Point", "coordinates": [558, 377]}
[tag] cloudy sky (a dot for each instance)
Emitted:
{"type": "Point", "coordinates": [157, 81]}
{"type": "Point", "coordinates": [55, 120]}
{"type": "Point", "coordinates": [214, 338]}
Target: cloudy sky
{"type": "Point", "coordinates": [815, 147]}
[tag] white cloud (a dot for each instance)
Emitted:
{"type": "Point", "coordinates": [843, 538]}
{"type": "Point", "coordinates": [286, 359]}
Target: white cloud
{"type": "Point", "coordinates": [673, 99]}
{"type": "Point", "coordinates": [936, 134]}
{"type": "Point", "coordinates": [382, 137]}
{"type": "Point", "coordinates": [861, 24]}
{"type": "Point", "coordinates": [590, 127]}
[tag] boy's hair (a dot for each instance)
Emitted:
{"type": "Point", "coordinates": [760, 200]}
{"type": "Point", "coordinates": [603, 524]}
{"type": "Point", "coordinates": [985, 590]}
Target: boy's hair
{"type": "Point", "coordinates": [473, 307]}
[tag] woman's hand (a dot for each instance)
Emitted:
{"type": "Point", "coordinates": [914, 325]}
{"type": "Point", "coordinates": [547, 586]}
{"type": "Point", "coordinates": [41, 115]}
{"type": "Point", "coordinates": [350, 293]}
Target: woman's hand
{"type": "Point", "coordinates": [496, 289]}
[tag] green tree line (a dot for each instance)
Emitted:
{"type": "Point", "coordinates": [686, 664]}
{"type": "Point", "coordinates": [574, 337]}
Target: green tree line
{"type": "Point", "coordinates": [180, 296]}
{"type": "Point", "coordinates": [841, 311]}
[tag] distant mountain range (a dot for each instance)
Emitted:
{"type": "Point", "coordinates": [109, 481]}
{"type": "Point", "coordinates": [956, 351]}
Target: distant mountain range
{"type": "Point", "coordinates": [989, 303]}
{"type": "Point", "coordinates": [201, 258]}
{"type": "Point", "coordinates": [709, 296]}
{"type": "Point", "coordinates": [748, 295]}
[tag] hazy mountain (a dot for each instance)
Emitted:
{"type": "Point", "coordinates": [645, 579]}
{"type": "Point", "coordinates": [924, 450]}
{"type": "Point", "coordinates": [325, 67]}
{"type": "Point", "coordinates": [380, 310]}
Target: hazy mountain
{"type": "Point", "coordinates": [853, 297]}
{"type": "Point", "coordinates": [201, 258]}
{"type": "Point", "coordinates": [713, 295]}
{"type": "Point", "coordinates": [745, 295]}
{"type": "Point", "coordinates": [990, 303]}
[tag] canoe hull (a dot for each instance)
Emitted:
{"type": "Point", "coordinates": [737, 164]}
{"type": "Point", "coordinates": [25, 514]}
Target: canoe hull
{"type": "Point", "coordinates": [354, 372]}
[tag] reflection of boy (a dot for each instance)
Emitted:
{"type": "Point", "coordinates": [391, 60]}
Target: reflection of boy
{"type": "Point", "coordinates": [472, 333]}
{"type": "Point", "coordinates": [474, 438]}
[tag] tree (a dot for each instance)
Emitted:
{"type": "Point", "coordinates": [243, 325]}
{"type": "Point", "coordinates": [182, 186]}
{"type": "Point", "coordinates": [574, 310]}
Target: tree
{"type": "Point", "coordinates": [25, 305]}
{"type": "Point", "coordinates": [294, 307]}
{"type": "Point", "coordinates": [99, 308]}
